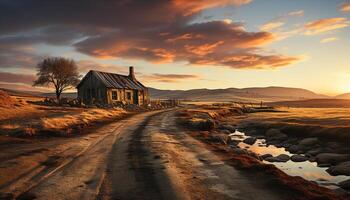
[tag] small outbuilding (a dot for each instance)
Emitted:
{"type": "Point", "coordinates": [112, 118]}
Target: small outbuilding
{"type": "Point", "coordinates": [109, 88]}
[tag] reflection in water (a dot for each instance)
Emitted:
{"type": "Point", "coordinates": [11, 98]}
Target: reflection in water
{"type": "Point", "coordinates": [307, 169]}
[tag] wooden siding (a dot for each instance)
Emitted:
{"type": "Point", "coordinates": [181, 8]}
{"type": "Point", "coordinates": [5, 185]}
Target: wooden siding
{"type": "Point", "coordinates": [92, 90]}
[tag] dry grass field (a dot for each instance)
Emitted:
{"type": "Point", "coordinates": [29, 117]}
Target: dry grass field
{"type": "Point", "coordinates": [328, 123]}
{"type": "Point", "coordinates": [20, 116]}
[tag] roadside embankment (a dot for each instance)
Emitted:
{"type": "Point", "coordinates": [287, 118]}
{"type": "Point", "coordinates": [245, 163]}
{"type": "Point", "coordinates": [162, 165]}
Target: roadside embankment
{"type": "Point", "coordinates": [217, 133]}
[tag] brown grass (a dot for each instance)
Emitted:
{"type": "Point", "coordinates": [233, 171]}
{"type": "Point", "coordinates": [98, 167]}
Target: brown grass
{"type": "Point", "coordinates": [24, 118]}
{"type": "Point", "coordinates": [327, 123]}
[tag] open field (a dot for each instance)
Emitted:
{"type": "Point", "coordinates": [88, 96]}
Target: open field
{"type": "Point", "coordinates": [312, 143]}
{"type": "Point", "coordinates": [314, 103]}
{"type": "Point", "coordinates": [22, 116]}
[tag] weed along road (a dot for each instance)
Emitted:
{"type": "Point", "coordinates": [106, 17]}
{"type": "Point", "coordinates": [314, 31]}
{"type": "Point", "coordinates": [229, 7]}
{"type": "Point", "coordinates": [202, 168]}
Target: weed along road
{"type": "Point", "coordinates": [145, 156]}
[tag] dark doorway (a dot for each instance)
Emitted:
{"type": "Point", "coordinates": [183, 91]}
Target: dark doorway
{"type": "Point", "coordinates": [136, 97]}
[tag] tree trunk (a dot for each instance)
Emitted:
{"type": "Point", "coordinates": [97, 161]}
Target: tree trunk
{"type": "Point", "coordinates": [58, 95]}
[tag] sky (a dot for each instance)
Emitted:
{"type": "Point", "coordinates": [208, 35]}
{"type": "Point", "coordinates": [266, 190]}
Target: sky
{"type": "Point", "coordinates": [181, 44]}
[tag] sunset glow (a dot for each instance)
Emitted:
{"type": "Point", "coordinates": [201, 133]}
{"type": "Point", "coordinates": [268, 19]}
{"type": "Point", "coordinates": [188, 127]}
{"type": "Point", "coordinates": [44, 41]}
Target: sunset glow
{"type": "Point", "coordinates": [196, 44]}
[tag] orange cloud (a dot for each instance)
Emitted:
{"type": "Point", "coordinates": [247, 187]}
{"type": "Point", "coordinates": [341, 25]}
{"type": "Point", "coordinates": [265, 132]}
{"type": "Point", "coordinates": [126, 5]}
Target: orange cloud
{"type": "Point", "coordinates": [204, 49]}
{"type": "Point", "coordinates": [345, 7]}
{"type": "Point", "coordinates": [325, 25]}
{"type": "Point", "coordinates": [331, 39]}
{"type": "Point", "coordinates": [168, 78]}
{"type": "Point", "coordinates": [271, 25]}
{"type": "Point", "coordinates": [297, 13]}
{"type": "Point", "coordinates": [186, 36]}
{"type": "Point", "coordinates": [190, 7]}
{"type": "Point", "coordinates": [250, 61]}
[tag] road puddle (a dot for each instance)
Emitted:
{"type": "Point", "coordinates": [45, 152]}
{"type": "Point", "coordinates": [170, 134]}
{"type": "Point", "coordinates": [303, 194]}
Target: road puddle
{"type": "Point", "coordinates": [308, 170]}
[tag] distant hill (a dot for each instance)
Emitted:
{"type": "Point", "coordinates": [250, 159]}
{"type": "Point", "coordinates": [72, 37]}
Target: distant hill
{"type": "Point", "coordinates": [37, 94]}
{"type": "Point", "coordinates": [254, 94]}
{"type": "Point", "coordinates": [343, 96]}
{"type": "Point", "coordinates": [314, 103]}
{"type": "Point", "coordinates": [21, 93]}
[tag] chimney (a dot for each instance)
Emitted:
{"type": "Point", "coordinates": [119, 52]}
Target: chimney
{"type": "Point", "coordinates": [131, 73]}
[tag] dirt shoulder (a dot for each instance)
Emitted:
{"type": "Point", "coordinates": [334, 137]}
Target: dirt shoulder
{"type": "Point", "coordinates": [202, 126]}
{"type": "Point", "coordinates": [26, 118]}
{"type": "Point", "coordinates": [61, 167]}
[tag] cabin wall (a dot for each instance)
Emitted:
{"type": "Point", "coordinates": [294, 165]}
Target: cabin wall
{"type": "Point", "coordinates": [92, 90]}
{"type": "Point", "coordinates": [127, 96]}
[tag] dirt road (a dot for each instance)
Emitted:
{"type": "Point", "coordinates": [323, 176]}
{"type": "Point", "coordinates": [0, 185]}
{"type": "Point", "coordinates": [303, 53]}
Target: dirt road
{"type": "Point", "coordinates": [143, 157]}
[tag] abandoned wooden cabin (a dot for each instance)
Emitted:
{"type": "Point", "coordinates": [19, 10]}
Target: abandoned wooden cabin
{"type": "Point", "coordinates": [109, 88]}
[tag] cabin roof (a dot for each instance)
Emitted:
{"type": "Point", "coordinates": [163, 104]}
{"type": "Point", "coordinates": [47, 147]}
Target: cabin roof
{"type": "Point", "coordinates": [111, 80]}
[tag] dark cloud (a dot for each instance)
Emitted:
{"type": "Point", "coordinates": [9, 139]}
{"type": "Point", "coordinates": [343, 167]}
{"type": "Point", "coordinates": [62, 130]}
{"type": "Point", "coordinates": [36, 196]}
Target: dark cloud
{"type": "Point", "coordinates": [87, 65]}
{"type": "Point", "coordinates": [16, 78]}
{"type": "Point", "coordinates": [153, 30]}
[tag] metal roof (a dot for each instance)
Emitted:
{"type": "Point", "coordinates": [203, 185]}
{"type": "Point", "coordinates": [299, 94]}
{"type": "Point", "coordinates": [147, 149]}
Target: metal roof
{"type": "Point", "coordinates": [111, 80]}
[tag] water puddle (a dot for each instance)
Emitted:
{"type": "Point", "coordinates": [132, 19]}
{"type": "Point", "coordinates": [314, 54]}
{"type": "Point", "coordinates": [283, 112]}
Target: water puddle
{"type": "Point", "coordinates": [308, 170]}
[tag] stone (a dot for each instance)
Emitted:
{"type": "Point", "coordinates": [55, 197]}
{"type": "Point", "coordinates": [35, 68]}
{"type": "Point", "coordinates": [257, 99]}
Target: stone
{"type": "Point", "coordinates": [279, 158]}
{"type": "Point", "coordinates": [298, 158]}
{"type": "Point", "coordinates": [265, 156]}
{"type": "Point", "coordinates": [331, 158]}
{"type": "Point", "coordinates": [250, 140]}
{"type": "Point", "coordinates": [272, 159]}
{"type": "Point", "coordinates": [309, 141]}
{"type": "Point", "coordinates": [314, 152]}
{"type": "Point", "coordinates": [272, 132]}
{"type": "Point", "coordinates": [281, 136]}
{"type": "Point", "coordinates": [239, 151]}
{"type": "Point", "coordinates": [333, 145]}
{"type": "Point", "coordinates": [323, 165]}
{"type": "Point", "coordinates": [222, 138]}
{"type": "Point", "coordinates": [340, 169]}
{"type": "Point", "coordinates": [225, 131]}
{"type": "Point", "coordinates": [202, 124]}
{"type": "Point", "coordinates": [293, 149]}
{"type": "Point", "coordinates": [345, 184]}
{"type": "Point", "coordinates": [227, 127]}
{"type": "Point", "coordinates": [283, 157]}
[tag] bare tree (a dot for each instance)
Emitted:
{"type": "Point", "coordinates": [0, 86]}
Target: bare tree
{"type": "Point", "coordinates": [59, 72]}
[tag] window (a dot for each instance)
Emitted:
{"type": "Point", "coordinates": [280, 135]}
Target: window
{"type": "Point", "coordinates": [128, 95]}
{"type": "Point", "coordinates": [114, 95]}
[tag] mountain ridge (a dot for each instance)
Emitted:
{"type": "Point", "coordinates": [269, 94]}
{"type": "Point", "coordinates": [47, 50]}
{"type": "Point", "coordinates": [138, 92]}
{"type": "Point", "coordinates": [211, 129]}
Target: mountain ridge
{"type": "Point", "coordinates": [272, 93]}
{"type": "Point", "coordinates": [250, 94]}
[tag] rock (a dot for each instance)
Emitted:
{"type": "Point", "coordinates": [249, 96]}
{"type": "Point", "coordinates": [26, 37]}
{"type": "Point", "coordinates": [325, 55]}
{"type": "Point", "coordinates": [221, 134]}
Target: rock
{"type": "Point", "coordinates": [345, 184]}
{"type": "Point", "coordinates": [202, 124]}
{"type": "Point", "coordinates": [333, 145]}
{"type": "Point", "coordinates": [323, 165]}
{"type": "Point", "coordinates": [340, 169]}
{"type": "Point", "coordinates": [281, 136]}
{"type": "Point", "coordinates": [265, 156]}
{"type": "Point", "coordinates": [293, 149]}
{"type": "Point", "coordinates": [341, 192]}
{"type": "Point", "coordinates": [272, 132]}
{"type": "Point", "coordinates": [314, 152]}
{"type": "Point", "coordinates": [227, 132]}
{"type": "Point", "coordinates": [331, 158]}
{"type": "Point", "coordinates": [298, 158]}
{"type": "Point", "coordinates": [272, 159]}
{"type": "Point", "coordinates": [309, 141]}
{"type": "Point", "coordinates": [250, 140]}
{"type": "Point", "coordinates": [239, 151]}
{"type": "Point", "coordinates": [283, 157]}
{"type": "Point", "coordinates": [222, 138]}
{"type": "Point", "coordinates": [227, 127]}
{"type": "Point", "coordinates": [312, 159]}
{"type": "Point", "coordinates": [279, 158]}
